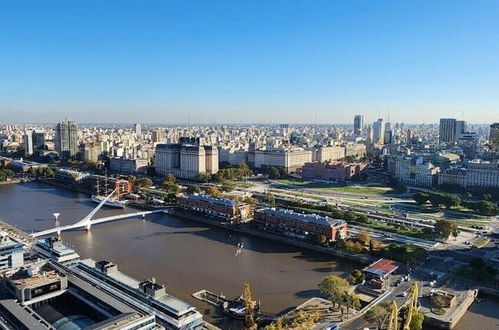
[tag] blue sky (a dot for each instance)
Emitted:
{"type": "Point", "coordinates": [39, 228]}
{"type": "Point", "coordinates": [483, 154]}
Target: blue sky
{"type": "Point", "coordinates": [248, 61]}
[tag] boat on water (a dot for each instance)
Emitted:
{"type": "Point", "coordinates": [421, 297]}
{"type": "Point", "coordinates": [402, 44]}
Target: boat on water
{"type": "Point", "coordinates": [112, 202]}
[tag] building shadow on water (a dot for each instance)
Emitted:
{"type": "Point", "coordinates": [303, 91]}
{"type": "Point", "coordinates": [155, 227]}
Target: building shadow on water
{"type": "Point", "coordinates": [57, 191]}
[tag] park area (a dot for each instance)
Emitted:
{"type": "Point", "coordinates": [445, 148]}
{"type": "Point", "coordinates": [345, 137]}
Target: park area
{"type": "Point", "coordinates": [331, 187]}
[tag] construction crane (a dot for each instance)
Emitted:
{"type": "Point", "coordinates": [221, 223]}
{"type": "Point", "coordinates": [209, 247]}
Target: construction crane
{"type": "Point", "coordinates": [413, 305]}
{"type": "Point", "coordinates": [394, 314]}
{"type": "Point", "coordinates": [411, 308]}
{"type": "Point", "coordinates": [249, 319]}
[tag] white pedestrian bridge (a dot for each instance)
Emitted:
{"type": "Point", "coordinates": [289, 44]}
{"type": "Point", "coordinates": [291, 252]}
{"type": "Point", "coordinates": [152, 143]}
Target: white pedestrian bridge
{"type": "Point", "coordinates": [87, 222]}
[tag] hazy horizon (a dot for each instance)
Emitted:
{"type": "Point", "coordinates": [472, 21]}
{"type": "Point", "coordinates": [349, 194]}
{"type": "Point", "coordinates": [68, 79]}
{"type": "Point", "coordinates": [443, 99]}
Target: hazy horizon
{"type": "Point", "coordinates": [260, 62]}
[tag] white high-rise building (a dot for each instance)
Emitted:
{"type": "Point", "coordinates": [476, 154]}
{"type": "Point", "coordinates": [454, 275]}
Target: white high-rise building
{"type": "Point", "coordinates": [379, 131]}
{"type": "Point", "coordinates": [138, 129]}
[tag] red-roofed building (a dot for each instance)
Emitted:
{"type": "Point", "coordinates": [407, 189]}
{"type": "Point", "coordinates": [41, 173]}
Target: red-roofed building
{"type": "Point", "coordinates": [381, 269]}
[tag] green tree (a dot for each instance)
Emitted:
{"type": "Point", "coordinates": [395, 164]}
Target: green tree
{"type": "Point", "coordinates": [351, 301]}
{"type": "Point", "coordinates": [378, 315]}
{"type": "Point", "coordinates": [193, 189]}
{"type": "Point", "coordinates": [362, 218]}
{"type": "Point", "coordinates": [277, 325]}
{"type": "Point", "coordinates": [269, 198]}
{"type": "Point", "coordinates": [445, 228]}
{"type": "Point", "coordinates": [436, 199]}
{"type": "Point", "coordinates": [170, 178]}
{"type": "Point", "coordinates": [228, 186]}
{"type": "Point", "coordinates": [421, 198]}
{"type": "Point", "coordinates": [273, 172]}
{"type": "Point", "coordinates": [363, 237]}
{"type": "Point", "coordinates": [334, 287]}
{"type": "Point", "coordinates": [213, 191]}
{"type": "Point", "coordinates": [486, 208]}
{"type": "Point", "coordinates": [356, 277]}
{"type": "Point", "coordinates": [304, 321]}
{"type": "Point", "coordinates": [416, 320]}
{"type": "Point", "coordinates": [349, 216]}
{"type": "Point", "coordinates": [204, 177]}
{"type": "Point", "coordinates": [131, 179]}
{"type": "Point", "coordinates": [171, 187]}
{"type": "Point", "coordinates": [450, 200]}
{"type": "Point", "coordinates": [143, 182]}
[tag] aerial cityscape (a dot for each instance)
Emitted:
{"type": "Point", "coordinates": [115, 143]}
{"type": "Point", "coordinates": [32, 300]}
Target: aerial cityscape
{"type": "Point", "coordinates": [262, 165]}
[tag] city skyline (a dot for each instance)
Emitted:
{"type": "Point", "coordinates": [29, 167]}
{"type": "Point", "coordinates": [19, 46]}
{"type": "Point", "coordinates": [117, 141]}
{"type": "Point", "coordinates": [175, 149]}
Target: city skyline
{"type": "Point", "coordinates": [223, 62]}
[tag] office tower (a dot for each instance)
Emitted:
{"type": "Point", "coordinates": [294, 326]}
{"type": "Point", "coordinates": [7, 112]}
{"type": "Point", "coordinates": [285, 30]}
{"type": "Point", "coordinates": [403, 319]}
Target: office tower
{"type": "Point", "coordinates": [157, 136]}
{"type": "Point", "coordinates": [358, 124]}
{"type": "Point", "coordinates": [28, 142]}
{"type": "Point", "coordinates": [137, 129]}
{"type": "Point", "coordinates": [378, 130]}
{"type": "Point", "coordinates": [38, 139]}
{"type": "Point", "coordinates": [66, 139]}
{"type": "Point", "coordinates": [460, 129]}
{"type": "Point", "coordinates": [388, 127]}
{"type": "Point", "coordinates": [447, 130]}
{"type": "Point", "coordinates": [388, 137]}
{"type": "Point", "coordinates": [409, 134]}
{"type": "Point", "coordinates": [370, 134]}
{"type": "Point", "coordinates": [468, 141]}
{"type": "Point", "coordinates": [494, 136]}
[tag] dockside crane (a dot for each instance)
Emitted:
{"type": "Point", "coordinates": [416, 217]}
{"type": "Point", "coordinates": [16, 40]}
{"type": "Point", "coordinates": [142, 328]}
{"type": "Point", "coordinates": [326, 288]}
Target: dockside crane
{"type": "Point", "coordinates": [250, 304]}
{"type": "Point", "coordinates": [412, 307]}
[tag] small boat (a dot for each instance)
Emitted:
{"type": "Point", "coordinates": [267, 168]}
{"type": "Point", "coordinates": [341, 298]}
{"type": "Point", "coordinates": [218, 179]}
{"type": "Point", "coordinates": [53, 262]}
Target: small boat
{"type": "Point", "coordinates": [237, 308]}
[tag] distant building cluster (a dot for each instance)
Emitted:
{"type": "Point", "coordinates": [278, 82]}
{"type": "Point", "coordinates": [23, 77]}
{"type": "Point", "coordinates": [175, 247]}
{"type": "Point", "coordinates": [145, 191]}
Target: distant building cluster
{"type": "Point", "coordinates": [418, 155]}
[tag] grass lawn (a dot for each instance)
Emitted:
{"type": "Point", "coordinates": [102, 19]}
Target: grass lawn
{"type": "Point", "coordinates": [358, 189]}
{"type": "Point", "coordinates": [391, 229]}
{"type": "Point", "coordinates": [241, 184]}
{"type": "Point", "coordinates": [479, 275]}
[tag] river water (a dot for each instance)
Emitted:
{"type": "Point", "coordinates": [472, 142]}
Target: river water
{"type": "Point", "coordinates": [187, 256]}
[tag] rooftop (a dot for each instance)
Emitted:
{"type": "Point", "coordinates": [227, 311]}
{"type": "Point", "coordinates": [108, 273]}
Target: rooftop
{"type": "Point", "coordinates": [303, 217]}
{"type": "Point", "coordinates": [171, 303]}
{"type": "Point", "coordinates": [7, 242]}
{"type": "Point", "coordinates": [382, 267]}
{"type": "Point", "coordinates": [35, 275]}
{"type": "Point", "coordinates": [213, 200]}
{"type": "Point", "coordinates": [60, 248]}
